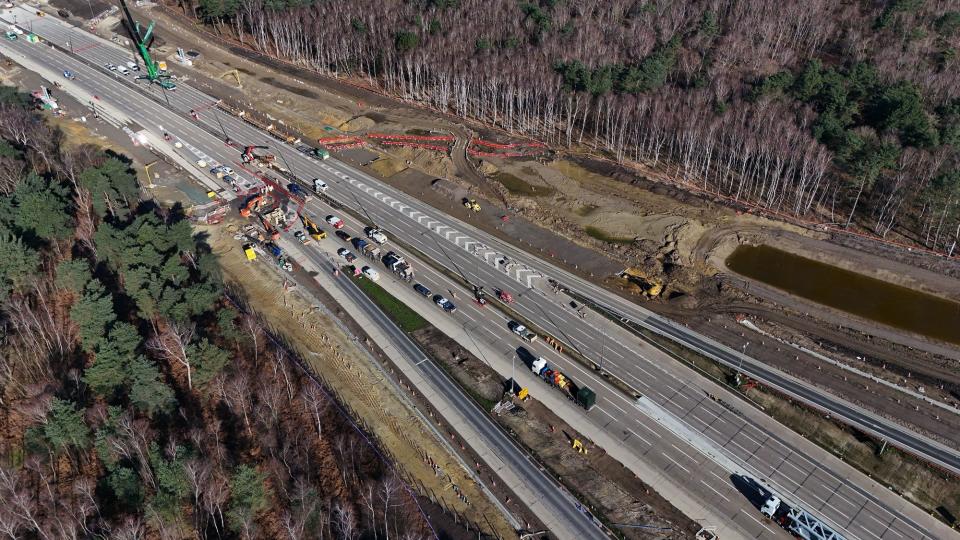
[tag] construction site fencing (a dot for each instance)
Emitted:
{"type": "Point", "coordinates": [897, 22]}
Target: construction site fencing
{"type": "Point", "coordinates": [508, 146]}
{"type": "Point", "coordinates": [433, 147]}
{"type": "Point", "coordinates": [413, 138]}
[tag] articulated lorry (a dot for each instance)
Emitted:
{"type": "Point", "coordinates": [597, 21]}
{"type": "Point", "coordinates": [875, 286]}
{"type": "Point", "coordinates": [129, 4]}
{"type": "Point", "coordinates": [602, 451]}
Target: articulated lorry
{"type": "Point", "coordinates": [582, 395]}
{"type": "Point", "coordinates": [794, 519]}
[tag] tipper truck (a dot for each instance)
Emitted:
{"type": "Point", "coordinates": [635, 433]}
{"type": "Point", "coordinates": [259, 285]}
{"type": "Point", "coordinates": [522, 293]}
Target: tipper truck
{"type": "Point", "coordinates": [398, 265]}
{"type": "Point", "coordinates": [365, 248]}
{"type": "Point", "coordinates": [582, 395]}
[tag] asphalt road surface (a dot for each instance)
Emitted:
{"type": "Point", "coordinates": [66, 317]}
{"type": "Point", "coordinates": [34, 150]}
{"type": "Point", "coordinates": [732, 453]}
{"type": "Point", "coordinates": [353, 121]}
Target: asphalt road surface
{"type": "Point", "coordinates": [561, 506]}
{"type": "Point", "coordinates": [706, 430]}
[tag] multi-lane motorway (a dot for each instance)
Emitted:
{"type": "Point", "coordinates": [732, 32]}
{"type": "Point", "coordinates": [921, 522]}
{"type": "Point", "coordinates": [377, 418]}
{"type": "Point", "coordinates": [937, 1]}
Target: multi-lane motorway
{"type": "Point", "coordinates": [706, 437]}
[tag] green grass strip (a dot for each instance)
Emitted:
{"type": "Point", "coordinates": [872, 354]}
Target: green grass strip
{"type": "Point", "coordinates": [406, 318]}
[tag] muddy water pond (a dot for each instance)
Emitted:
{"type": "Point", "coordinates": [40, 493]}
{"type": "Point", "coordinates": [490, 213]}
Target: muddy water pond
{"type": "Point", "coordinates": [860, 295]}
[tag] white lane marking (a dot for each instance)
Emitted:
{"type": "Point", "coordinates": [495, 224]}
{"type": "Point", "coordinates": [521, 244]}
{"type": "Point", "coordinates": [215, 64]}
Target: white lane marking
{"type": "Point", "coordinates": [638, 437]}
{"type": "Point", "coordinates": [675, 462]}
{"type": "Point", "coordinates": [684, 453]}
{"type": "Point", "coordinates": [722, 479]}
{"type": "Point", "coordinates": [617, 407]}
{"type": "Point", "coordinates": [757, 520]}
{"type": "Point", "coordinates": [715, 491]}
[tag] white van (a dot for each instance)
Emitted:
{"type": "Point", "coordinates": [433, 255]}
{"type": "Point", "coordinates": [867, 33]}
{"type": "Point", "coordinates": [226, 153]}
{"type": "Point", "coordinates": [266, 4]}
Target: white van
{"type": "Point", "coordinates": [133, 66]}
{"type": "Point", "coordinates": [122, 70]}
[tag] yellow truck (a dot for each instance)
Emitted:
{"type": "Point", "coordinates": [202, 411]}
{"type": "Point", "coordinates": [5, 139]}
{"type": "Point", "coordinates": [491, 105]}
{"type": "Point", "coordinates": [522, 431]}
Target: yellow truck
{"type": "Point", "coordinates": [250, 253]}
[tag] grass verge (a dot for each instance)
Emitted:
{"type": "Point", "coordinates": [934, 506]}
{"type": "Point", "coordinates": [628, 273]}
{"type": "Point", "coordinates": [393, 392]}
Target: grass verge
{"type": "Point", "coordinates": [518, 186]}
{"type": "Point", "coordinates": [407, 319]}
{"type": "Point", "coordinates": [603, 236]}
{"type": "Point", "coordinates": [586, 210]}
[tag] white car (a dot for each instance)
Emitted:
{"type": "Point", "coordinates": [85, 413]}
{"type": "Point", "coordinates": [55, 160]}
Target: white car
{"type": "Point", "coordinates": [111, 67]}
{"type": "Point", "coordinates": [319, 185]}
{"type": "Point", "coordinates": [370, 273]}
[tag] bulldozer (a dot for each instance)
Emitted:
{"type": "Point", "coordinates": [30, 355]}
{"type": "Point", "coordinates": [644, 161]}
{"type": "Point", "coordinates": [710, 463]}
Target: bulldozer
{"type": "Point", "coordinates": [471, 204]}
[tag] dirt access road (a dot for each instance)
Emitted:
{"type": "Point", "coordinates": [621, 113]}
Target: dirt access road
{"type": "Point", "coordinates": [591, 217]}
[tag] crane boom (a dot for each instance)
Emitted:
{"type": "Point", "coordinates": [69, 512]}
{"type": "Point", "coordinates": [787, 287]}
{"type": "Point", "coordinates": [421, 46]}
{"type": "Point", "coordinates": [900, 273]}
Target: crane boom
{"type": "Point", "coordinates": [143, 41]}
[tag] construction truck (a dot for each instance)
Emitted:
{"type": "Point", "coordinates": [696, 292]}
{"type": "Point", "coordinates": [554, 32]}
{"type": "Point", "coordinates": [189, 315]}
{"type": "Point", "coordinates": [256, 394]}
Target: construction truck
{"type": "Point", "coordinates": [376, 235]}
{"type": "Point", "coordinates": [359, 243]}
{"type": "Point", "coordinates": [371, 250]}
{"type": "Point", "coordinates": [280, 256]}
{"type": "Point", "coordinates": [272, 232]}
{"type": "Point", "coordinates": [313, 229]}
{"type": "Point", "coordinates": [398, 265]}
{"type": "Point", "coordinates": [582, 395]}
{"type": "Point", "coordinates": [321, 153]}
{"type": "Point", "coordinates": [471, 204]}
{"type": "Point", "coordinates": [250, 155]}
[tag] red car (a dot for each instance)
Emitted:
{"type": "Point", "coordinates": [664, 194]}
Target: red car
{"type": "Point", "coordinates": [335, 221]}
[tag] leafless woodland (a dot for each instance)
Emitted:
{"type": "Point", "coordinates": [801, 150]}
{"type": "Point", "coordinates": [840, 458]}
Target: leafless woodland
{"type": "Point", "coordinates": [494, 60]}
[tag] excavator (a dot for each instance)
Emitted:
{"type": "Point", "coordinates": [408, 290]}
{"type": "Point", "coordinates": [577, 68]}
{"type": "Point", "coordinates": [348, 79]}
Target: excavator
{"type": "Point", "coordinates": [272, 233]}
{"type": "Point", "coordinates": [251, 204]}
{"type": "Point", "coordinates": [250, 156]}
{"type": "Point", "coordinates": [472, 204]}
{"type": "Point", "coordinates": [313, 229]}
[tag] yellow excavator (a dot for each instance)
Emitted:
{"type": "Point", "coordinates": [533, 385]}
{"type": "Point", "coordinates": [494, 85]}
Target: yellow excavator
{"type": "Point", "coordinates": [471, 204]}
{"type": "Point", "coordinates": [651, 286]}
{"type": "Point", "coordinates": [313, 229]}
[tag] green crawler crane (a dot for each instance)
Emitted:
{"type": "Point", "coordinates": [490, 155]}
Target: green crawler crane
{"type": "Point", "coordinates": [143, 42]}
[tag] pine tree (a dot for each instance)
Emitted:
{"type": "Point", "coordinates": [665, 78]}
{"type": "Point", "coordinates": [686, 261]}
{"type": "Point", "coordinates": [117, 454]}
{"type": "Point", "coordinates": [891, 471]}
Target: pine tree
{"type": "Point", "coordinates": [65, 427]}
{"type": "Point", "coordinates": [248, 497]}
{"type": "Point", "coordinates": [92, 313]}
{"type": "Point", "coordinates": [148, 393]}
{"type": "Point", "coordinates": [18, 265]}
{"type": "Point", "coordinates": [73, 275]}
{"type": "Point", "coordinates": [207, 361]}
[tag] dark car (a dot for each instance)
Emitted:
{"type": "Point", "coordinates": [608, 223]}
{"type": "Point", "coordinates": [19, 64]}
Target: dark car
{"type": "Point", "coordinates": [343, 235]}
{"type": "Point", "coordinates": [298, 191]}
{"type": "Point", "coordinates": [421, 289]}
{"type": "Point", "coordinates": [444, 303]}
